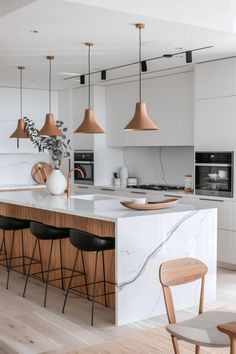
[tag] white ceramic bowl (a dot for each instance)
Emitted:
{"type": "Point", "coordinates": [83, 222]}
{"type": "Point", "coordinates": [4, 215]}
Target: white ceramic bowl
{"type": "Point", "coordinates": [213, 175]}
{"type": "Point", "coordinates": [139, 200]}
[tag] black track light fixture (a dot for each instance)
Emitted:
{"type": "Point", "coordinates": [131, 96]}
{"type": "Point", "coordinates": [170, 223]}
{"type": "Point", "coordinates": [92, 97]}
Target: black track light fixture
{"type": "Point", "coordinates": [82, 79]}
{"type": "Point", "coordinates": [144, 66]}
{"type": "Point", "coordinates": [103, 75]}
{"type": "Point", "coordinates": [188, 56]}
{"type": "Point", "coordinates": [167, 55]}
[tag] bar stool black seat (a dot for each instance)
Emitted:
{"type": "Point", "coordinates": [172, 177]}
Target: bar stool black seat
{"type": "Point", "coordinates": [87, 242]}
{"type": "Point", "coordinates": [43, 232]}
{"type": "Point", "coordinates": [12, 224]}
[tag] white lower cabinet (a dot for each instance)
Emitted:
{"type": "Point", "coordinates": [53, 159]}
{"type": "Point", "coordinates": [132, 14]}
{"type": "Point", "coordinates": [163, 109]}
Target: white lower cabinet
{"type": "Point", "coordinates": [226, 250]}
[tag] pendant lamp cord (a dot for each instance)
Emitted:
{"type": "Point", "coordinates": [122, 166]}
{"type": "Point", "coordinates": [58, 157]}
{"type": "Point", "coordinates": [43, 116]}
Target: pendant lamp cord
{"type": "Point", "coordinates": [140, 71]}
{"type": "Point", "coordinates": [89, 100]}
{"type": "Point", "coordinates": [50, 83]}
{"type": "Point", "coordinates": [21, 94]}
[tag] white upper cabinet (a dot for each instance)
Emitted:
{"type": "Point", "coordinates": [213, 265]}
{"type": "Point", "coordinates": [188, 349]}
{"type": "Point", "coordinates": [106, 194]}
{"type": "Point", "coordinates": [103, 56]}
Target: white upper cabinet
{"type": "Point", "coordinates": [215, 124]}
{"type": "Point", "coordinates": [215, 79]}
{"type": "Point", "coordinates": [169, 100]}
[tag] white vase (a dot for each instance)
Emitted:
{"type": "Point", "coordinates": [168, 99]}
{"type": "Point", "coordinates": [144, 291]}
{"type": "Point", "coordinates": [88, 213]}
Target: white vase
{"type": "Point", "coordinates": [56, 182]}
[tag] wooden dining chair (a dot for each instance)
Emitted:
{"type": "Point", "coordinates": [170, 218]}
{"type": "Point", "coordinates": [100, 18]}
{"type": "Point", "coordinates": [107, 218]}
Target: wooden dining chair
{"type": "Point", "coordinates": [205, 328]}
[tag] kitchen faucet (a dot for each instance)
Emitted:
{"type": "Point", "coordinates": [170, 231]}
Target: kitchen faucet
{"type": "Point", "coordinates": [68, 189]}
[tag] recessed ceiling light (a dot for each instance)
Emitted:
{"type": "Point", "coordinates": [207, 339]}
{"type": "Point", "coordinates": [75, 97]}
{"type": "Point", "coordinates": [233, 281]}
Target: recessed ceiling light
{"type": "Point", "coordinates": [34, 31]}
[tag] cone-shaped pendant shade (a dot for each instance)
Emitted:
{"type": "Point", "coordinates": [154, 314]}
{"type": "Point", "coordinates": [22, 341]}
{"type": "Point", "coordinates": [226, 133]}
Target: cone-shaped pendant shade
{"type": "Point", "coordinates": [50, 128]}
{"type": "Point", "coordinates": [89, 124]}
{"type": "Point", "coordinates": [20, 133]}
{"type": "Point", "coordinates": [140, 120]}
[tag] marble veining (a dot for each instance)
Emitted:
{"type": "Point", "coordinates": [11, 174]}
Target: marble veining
{"type": "Point", "coordinates": [154, 253]}
{"type": "Point", "coordinates": [166, 236]}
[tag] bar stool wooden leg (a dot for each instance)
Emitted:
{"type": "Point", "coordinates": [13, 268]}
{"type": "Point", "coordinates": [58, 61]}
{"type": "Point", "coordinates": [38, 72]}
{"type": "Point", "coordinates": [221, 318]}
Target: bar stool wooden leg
{"type": "Point", "coordinates": [10, 259]}
{"type": "Point", "coordinates": [70, 281]}
{"type": "Point", "coordinates": [48, 271]}
{"type": "Point", "coordinates": [94, 286]}
{"type": "Point", "coordinates": [29, 269]}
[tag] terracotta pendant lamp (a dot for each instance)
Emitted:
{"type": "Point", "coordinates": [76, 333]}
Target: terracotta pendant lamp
{"type": "Point", "coordinates": [50, 128]}
{"type": "Point", "coordinates": [20, 133]}
{"type": "Point", "coordinates": [89, 124]}
{"type": "Point", "coordinates": [140, 120]}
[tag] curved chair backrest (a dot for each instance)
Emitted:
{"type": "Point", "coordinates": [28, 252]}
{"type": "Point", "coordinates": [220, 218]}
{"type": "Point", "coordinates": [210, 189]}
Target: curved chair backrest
{"type": "Point", "coordinates": [181, 271]}
{"type": "Point", "coordinates": [177, 272]}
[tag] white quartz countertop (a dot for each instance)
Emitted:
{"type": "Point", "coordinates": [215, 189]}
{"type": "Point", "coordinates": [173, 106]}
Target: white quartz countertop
{"type": "Point", "coordinates": [106, 208]}
{"type": "Point", "coordinates": [11, 187]}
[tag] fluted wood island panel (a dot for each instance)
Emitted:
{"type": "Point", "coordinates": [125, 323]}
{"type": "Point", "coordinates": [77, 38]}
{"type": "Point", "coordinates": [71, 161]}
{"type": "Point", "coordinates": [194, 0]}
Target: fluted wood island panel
{"type": "Point", "coordinates": [97, 227]}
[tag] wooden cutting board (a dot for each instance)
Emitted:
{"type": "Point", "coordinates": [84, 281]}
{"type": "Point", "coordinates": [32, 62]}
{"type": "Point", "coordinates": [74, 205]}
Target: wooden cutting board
{"type": "Point", "coordinates": [40, 172]}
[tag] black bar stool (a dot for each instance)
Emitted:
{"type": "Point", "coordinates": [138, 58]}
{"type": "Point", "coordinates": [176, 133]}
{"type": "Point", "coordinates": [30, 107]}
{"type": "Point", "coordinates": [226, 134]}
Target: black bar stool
{"type": "Point", "coordinates": [49, 233]}
{"type": "Point", "coordinates": [88, 242]}
{"type": "Point", "coordinates": [12, 224]}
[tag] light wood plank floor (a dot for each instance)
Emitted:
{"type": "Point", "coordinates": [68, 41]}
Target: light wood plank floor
{"type": "Point", "coordinates": [27, 328]}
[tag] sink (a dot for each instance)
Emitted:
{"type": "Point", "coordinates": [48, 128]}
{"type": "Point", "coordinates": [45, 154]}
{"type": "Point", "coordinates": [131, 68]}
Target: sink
{"type": "Point", "coordinates": [92, 197]}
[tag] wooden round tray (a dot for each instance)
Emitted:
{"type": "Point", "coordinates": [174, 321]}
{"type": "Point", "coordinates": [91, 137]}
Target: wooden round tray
{"type": "Point", "coordinates": [40, 172]}
{"type": "Point", "coordinates": [150, 205]}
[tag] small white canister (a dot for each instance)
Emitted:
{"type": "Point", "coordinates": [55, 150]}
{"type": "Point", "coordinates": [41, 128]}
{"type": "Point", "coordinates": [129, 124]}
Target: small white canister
{"type": "Point", "coordinates": [188, 183]}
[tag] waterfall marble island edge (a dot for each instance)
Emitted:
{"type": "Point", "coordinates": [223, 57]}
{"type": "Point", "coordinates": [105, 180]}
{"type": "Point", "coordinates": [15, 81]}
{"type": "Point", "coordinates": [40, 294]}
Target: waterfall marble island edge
{"type": "Point", "coordinates": [143, 241]}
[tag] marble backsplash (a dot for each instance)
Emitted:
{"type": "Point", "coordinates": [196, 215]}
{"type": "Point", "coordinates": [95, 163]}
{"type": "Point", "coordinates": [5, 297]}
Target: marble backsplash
{"type": "Point", "coordinates": [15, 169]}
{"type": "Point", "coordinates": [162, 165]}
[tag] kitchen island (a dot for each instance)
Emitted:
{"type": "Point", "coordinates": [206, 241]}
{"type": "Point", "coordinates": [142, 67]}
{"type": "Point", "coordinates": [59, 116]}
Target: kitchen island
{"type": "Point", "coordinates": [144, 239]}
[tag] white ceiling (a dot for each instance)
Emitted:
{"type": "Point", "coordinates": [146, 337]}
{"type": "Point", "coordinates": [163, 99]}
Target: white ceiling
{"type": "Point", "coordinates": [64, 25]}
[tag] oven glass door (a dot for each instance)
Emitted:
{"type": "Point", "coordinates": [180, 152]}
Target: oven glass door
{"type": "Point", "coordinates": [213, 179]}
{"type": "Point", "coordinates": [87, 168]}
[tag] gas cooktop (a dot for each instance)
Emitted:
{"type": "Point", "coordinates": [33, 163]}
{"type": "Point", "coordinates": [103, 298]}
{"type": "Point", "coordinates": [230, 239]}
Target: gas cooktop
{"type": "Point", "coordinates": [159, 187]}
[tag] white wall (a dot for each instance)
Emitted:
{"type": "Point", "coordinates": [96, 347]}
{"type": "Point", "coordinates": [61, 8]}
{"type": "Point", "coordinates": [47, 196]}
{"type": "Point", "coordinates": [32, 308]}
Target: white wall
{"type": "Point", "coordinates": [16, 169]}
{"type": "Point", "coordinates": [145, 163]}
{"type": "Point", "coordinates": [16, 164]}
{"type": "Point", "coordinates": [35, 106]}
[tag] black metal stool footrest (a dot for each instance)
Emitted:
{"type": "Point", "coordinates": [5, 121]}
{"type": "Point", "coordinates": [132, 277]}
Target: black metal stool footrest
{"type": "Point", "coordinates": [78, 274]}
{"type": "Point", "coordinates": [96, 282]}
{"type": "Point", "coordinates": [34, 261]}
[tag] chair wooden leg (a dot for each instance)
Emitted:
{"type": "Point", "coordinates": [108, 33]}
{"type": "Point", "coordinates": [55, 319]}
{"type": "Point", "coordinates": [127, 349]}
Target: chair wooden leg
{"type": "Point", "coordinates": [233, 345]}
{"type": "Point", "coordinates": [175, 344]}
{"type": "Point", "coordinates": [197, 349]}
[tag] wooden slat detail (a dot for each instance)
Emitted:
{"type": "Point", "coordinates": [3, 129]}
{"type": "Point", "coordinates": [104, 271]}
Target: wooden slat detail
{"type": "Point", "coordinates": [97, 227]}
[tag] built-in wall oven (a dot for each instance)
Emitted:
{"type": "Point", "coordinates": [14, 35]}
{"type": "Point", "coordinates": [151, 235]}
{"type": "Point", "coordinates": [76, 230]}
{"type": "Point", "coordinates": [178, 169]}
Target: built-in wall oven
{"type": "Point", "coordinates": [84, 160]}
{"type": "Point", "coordinates": [214, 173]}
